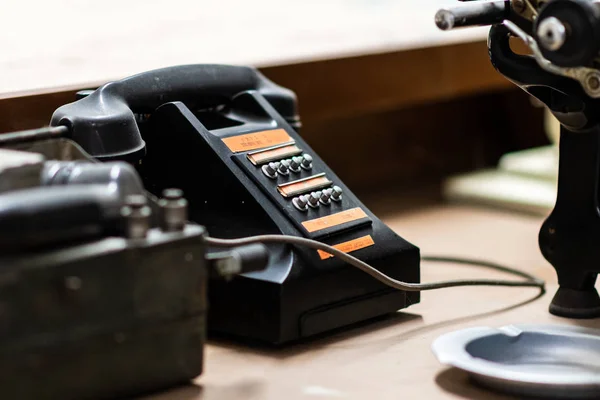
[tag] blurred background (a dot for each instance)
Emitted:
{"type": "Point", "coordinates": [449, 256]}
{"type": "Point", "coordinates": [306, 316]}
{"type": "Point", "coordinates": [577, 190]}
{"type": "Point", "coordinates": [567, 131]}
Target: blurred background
{"type": "Point", "coordinates": [389, 101]}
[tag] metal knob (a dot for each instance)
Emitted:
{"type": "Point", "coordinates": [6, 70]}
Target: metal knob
{"type": "Point", "coordinates": [475, 13]}
{"type": "Point", "coordinates": [313, 200]}
{"type": "Point", "coordinates": [137, 216]}
{"type": "Point", "coordinates": [306, 161]}
{"type": "Point", "coordinates": [174, 208]}
{"type": "Point", "coordinates": [270, 170]}
{"type": "Point", "coordinates": [300, 203]}
{"type": "Point", "coordinates": [295, 164]}
{"type": "Point", "coordinates": [336, 193]}
{"type": "Point", "coordinates": [325, 197]}
{"type": "Point", "coordinates": [283, 168]}
{"type": "Point", "coordinates": [552, 34]}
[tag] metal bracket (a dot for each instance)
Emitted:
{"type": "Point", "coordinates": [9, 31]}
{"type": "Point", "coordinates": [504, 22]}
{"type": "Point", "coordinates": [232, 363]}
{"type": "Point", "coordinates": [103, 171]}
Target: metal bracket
{"type": "Point", "coordinates": [589, 78]}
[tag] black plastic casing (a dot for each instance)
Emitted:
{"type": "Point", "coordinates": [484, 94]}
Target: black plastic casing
{"type": "Point", "coordinates": [299, 294]}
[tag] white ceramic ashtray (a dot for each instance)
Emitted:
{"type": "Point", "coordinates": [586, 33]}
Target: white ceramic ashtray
{"type": "Point", "coordinates": [549, 361]}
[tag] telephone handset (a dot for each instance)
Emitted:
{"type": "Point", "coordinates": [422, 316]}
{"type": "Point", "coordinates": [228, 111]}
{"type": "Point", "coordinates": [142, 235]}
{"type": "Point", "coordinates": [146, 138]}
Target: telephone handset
{"type": "Point", "coordinates": [104, 123]}
{"type": "Point", "coordinates": [228, 138]}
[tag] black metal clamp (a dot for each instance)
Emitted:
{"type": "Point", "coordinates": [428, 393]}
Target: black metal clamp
{"type": "Point", "coordinates": [570, 236]}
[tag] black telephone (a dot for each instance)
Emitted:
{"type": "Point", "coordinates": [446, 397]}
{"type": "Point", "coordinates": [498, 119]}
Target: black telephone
{"type": "Point", "coordinates": [228, 138]}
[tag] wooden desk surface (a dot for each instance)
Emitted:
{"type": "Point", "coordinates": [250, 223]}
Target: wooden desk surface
{"type": "Point", "coordinates": [391, 359]}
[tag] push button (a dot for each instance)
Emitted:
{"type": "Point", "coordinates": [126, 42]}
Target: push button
{"type": "Point", "coordinates": [336, 193]}
{"type": "Point", "coordinates": [325, 197]}
{"type": "Point", "coordinates": [283, 167]}
{"type": "Point", "coordinates": [270, 170]}
{"type": "Point", "coordinates": [295, 164]}
{"type": "Point", "coordinates": [300, 203]}
{"type": "Point", "coordinates": [306, 162]}
{"type": "Point", "coordinates": [313, 200]}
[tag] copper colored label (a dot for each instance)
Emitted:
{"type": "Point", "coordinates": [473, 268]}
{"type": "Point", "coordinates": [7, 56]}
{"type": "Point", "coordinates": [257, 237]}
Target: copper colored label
{"type": "Point", "coordinates": [350, 246]}
{"type": "Point", "coordinates": [294, 188]}
{"type": "Point", "coordinates": [274, 154]}
{"type": "Point", "coordinates": [329, 221]}
{"type": "Point", "coordinates": [257, 140]}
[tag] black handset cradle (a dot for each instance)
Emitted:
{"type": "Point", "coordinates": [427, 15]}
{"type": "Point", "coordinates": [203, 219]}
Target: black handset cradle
{"type": "Point", "coordinates": [228, 137]}
{"type": "Point", "coordinates": [105, 125]}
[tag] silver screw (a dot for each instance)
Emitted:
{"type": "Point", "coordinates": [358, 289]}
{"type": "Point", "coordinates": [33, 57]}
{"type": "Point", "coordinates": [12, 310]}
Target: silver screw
{"type": "Point", "coordinates": [137, 216]}
{"type": "Point", "coordinates": [174, 208]}
{"type": "Point", "coordinates": [593, 82]}
{"type": "Point", "coordinates": [552, 34]}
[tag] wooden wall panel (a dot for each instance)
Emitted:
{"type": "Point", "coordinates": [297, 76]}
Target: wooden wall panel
{"type": "Point", "coordinates": [423, 144]}
{"type": "Point", "coordinates": [383, 119]}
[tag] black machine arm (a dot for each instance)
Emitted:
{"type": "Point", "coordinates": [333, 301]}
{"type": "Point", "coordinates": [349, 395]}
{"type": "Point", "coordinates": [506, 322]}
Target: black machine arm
{"type": "Point", "coordinates": [104, 123]}
{"type": "Point", "coordinates": [563, 72]}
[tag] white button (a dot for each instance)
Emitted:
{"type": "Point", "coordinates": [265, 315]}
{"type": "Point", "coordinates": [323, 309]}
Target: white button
{"type": "Point", "coordinates": [270, 170]}
{"type": "Point", "coordinates": [283, 168]}
{"type": "Point", "coordinates": [313, 200]}
{"type": "Point", "coordinates": [295, 164]}
{"type": "Point", "coordinates": [300, 203]}
{"type": "Point", "coordinates": [336, 193]}
{"type": "Point", "coordinates": [306, 161]}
